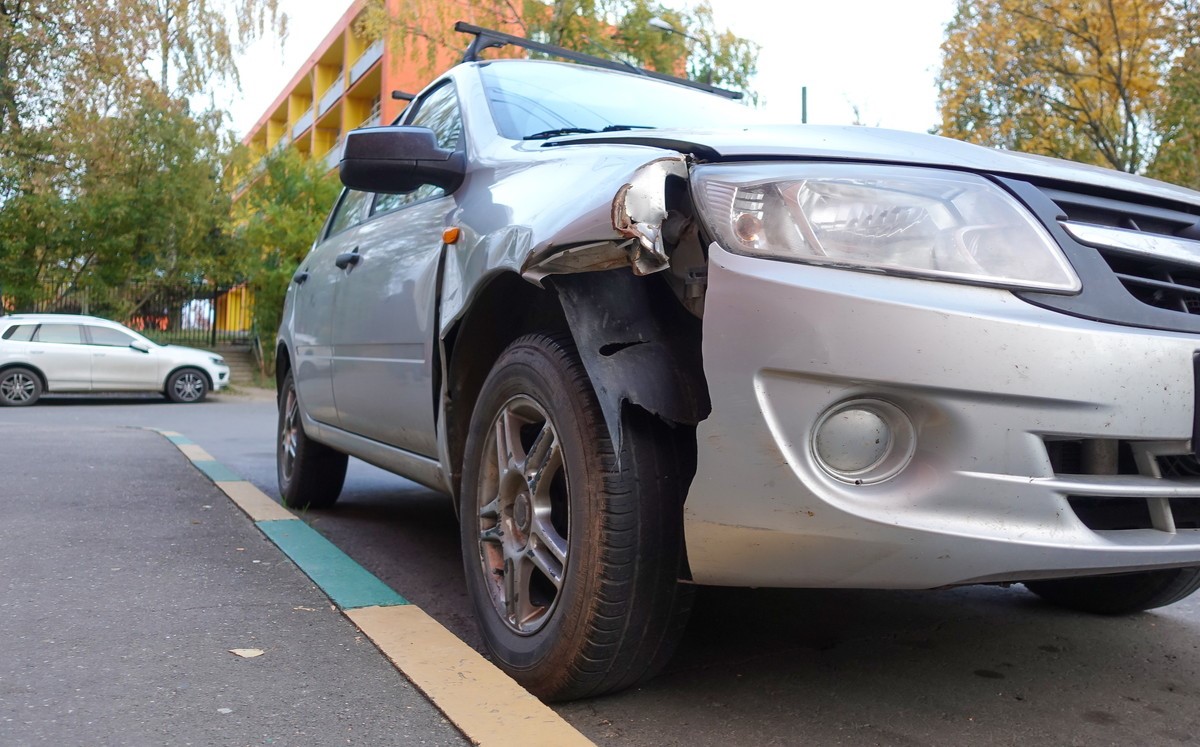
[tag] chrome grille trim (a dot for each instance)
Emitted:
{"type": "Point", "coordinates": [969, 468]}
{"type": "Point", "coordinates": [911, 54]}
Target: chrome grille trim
{"type": "Point", "coordinates": [1135, 243]}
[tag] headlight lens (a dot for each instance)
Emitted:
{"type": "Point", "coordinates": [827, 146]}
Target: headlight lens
{"type": "Point", "coordinates": [218, 360]}
{"type": "Point", "coordinates": [926, 222]}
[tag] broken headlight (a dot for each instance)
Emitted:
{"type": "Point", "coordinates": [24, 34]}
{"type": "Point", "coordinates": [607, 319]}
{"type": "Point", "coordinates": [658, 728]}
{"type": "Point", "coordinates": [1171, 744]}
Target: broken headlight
{"type": "Point", "coordinates": [944, 225]}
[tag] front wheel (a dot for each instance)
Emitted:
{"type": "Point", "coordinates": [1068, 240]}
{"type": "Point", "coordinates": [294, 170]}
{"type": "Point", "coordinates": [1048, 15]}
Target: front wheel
{"type": "Point", "coordinates": [571, 555]}
{"type": "Point", "coordinates": [187, 385]}
{"type": "Point", "coordinates": [19, 387]}
{"type": "Point", "coordinates": [310, 474]}
{"type": "Point", "coordinates": [1119, 594]}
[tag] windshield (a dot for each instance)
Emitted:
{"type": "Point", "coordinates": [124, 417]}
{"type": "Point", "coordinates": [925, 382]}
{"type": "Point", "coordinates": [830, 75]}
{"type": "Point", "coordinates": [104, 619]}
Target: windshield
{"type": "Point", "coordinates": [533, 100]}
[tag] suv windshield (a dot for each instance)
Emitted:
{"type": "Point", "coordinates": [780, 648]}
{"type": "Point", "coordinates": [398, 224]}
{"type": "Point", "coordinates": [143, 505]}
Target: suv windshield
{"type": "Point", "coordinates": [544, 99]}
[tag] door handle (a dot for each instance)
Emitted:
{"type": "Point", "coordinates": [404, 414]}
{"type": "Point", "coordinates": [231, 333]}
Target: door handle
{"type": "Point", "coordinates": [299, 278]}
{"type": "Point", "coordinates": [346, 259]}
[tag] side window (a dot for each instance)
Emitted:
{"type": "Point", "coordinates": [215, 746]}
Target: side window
{"type": "Point", "coordinates": [439, 112]}
{"type": "Point", "coordinates": [349, 211]}
{"type": "Point", "coordinates": [20, 332]}
{"type": "Point", "coordinates": [64, 333]}
{"type": "Point", "coordinates": [113, 338]}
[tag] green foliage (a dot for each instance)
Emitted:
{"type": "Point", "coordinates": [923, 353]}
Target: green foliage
{"type": "Point", "coordinates": [277, 217]}
{"type": "Point", "coordinates": [616, 29]}
{"type": "Point", "coordinates": [107, 175]}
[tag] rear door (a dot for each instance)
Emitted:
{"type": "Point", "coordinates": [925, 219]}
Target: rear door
{"type": "Point", "coordinates": [315, 287]}
{"type": "Point", "coordinates": [58, 350]}
{"type": "Point", "coordinates": [386, 303]}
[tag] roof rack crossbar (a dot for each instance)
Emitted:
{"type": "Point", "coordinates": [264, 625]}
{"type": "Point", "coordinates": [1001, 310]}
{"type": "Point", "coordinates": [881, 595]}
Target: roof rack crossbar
{"type": "Point", "coordinates": [487, 38]}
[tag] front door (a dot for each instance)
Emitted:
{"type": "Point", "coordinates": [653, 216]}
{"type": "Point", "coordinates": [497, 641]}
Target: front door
{"type": "Point", "coordinates": [117, 366]}
{"type": "Point", "coordinates": [385, 324]}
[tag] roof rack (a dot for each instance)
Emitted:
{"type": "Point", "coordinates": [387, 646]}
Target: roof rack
{"type": "Point", "coordinates": [487, 38]}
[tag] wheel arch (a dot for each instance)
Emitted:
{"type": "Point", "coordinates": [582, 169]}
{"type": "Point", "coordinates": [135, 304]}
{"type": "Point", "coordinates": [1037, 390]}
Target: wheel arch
{"type": "Point", "coordinates": [503, 309]}
{"type": "Point", "coordinates": [184, 367]}
{"type": "Point", "coordinates": [30, 367]}
{"type": "Point", "coordinates": [283, 364]}
{"type": "Point", "coordinates": [640, 347]}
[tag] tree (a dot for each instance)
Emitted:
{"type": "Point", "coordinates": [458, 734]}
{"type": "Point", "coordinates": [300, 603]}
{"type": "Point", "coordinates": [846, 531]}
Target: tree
{"type": "Point", "coordinates": [108, 175]}
{"type": "Point", "coordinates": [140, 203]}
{"type": "Point", "coordinates": [1080, 79]}
{"type": "Point", "coordinates": [1178, 157]}
{"type": "Point", "coordinates": [616, 29]}
{"type": "Point", "coordinates": [276, 218]}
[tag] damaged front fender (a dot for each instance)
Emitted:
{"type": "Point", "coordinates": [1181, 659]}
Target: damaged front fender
{"type": "Point", "coordinates": [639, 210]}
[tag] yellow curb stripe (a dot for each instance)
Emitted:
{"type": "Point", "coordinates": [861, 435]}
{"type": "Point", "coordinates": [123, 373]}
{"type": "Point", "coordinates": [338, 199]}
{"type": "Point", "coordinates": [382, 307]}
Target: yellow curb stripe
{"type": "Point", "coordinates": [195, 453]}
{"type": "Point", "coordinates": [257, 504]}
{"type": "Point", "coordinates": [485, 703]}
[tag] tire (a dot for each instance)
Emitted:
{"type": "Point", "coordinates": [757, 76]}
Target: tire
{"type": "Point", "coordinates": [19, 387]}
{"type": "Point", "coordinates": [187, 385]}
{"type": "Point", "coordinates": [1119, 594]}
{"type": "Point", "coordinates": [310, 474]}
{"type": "Point", "coordinates": [571, 557]}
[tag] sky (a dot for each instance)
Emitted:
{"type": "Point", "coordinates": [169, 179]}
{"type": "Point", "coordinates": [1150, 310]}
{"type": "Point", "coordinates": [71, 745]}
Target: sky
{"type": "Point", "coordinates": [881, 56]}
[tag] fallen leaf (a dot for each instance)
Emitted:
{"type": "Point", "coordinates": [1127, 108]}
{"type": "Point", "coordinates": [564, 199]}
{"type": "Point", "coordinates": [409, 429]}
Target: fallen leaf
{"type": "Point", "coordinates": [246, 653]}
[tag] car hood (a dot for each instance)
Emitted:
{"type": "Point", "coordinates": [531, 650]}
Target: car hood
{"type": "Point", "coordinates": [180, 352]}
{"type": "Point", "coordinates": [876, 145]}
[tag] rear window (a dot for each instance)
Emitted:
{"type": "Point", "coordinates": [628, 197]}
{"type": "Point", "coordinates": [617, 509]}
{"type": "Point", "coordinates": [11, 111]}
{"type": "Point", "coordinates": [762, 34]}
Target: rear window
{"type": "Point", "coordinates": [68, 333]}
{"type": "Point", "coordinates": [20, 332]}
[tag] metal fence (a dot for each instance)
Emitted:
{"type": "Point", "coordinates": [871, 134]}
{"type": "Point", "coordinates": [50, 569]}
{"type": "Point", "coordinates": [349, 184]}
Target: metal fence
{"type": "Point", "coordinates": [188, 314]}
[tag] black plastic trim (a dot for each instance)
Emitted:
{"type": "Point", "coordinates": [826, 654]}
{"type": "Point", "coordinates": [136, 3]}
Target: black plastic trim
{"type": "Point", "coordinates": [1103, 297]}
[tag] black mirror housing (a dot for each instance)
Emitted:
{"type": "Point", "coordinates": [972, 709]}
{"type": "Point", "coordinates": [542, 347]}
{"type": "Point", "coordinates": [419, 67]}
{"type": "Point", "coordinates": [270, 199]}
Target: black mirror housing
{"type": "Point", "coordinates": [395, 160]}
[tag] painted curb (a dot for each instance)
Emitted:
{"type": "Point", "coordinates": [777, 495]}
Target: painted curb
{"type": "Point", "coordinates": [483, 702]}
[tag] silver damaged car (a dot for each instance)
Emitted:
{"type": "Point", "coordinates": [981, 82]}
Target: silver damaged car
{"type": "Point", "coordinates": [645, 343]}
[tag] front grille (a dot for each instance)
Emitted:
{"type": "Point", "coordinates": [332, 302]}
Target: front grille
{"type": "Point", "coordinates": [1154, 282]}
{"type": "Point", "coordinates": [1146, 464]}
{"type": "Point", "coordinates": [1154, 251]}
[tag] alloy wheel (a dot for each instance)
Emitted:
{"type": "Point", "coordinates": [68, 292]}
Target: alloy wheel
{"type": "Point", "coordinates": [189, 386]}
{"type": "Point", "coordinates": [289, 435]}
{"type": "Point", "coordinates": [17, 387]}
{"type": "Point", "coordinates": [524, 515]}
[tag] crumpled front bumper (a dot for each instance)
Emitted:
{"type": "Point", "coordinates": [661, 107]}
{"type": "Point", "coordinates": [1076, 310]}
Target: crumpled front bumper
{"type": "Point", "coordinates": [984, 377]}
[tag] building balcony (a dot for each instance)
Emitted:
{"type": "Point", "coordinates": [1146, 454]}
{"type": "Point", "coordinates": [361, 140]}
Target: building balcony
{"type": "Point", "coordinates": [302, 124]}
{"type": "Point", "coordinates": [331, 97]}
{"type": "Point", "coordinates": [334, 156]}
{"type": "Point", "coordinates": [369, 57]}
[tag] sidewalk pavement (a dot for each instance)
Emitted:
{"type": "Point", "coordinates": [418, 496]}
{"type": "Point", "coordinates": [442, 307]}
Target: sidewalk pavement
{"type": "Point", "coordinates": [128, 580]}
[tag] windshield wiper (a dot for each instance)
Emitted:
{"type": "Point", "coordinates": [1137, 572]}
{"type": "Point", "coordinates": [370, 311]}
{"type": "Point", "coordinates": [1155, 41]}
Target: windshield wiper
{"type": "Point", "coordinates": [560, 131]}
{"type": "Point", "coordinates": [584, 131]}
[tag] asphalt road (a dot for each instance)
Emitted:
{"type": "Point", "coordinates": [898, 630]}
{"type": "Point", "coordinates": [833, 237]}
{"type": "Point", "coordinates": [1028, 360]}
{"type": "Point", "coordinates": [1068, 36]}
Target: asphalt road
{"type": "Point", "coordinates": [979, 665]}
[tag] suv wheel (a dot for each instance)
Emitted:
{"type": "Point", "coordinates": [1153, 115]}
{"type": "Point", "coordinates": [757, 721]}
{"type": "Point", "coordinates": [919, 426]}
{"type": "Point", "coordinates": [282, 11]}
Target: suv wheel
{"type": "Point", "coordinates": [571, 555]}
{"type": "Point", "coordinates": [1119, 594]}
{"type": "Point", "coordinates": [187, 385]}
{"type": "Point", "coordinates": [19, 387]}
{"type": "Point", "coordinates": [310, 474]}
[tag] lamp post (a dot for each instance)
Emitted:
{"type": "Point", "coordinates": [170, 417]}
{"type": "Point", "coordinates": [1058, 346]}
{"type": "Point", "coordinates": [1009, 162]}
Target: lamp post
{"type": "Point", "coordinates": [663, 25]}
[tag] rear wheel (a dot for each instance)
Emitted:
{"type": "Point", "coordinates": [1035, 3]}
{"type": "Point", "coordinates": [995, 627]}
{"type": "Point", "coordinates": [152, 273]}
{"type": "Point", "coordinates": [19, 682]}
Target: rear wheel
{"type": "Point", "coordinates": [1119, 594]}
{"type": "Point", "coordinates": [571, 555]}
{"type": "Point", "coordinates": [310, 474]}
{"type": "Point", "coordinates": [19, 387]}
{"type": "Point", "coordinates": [187, 385]}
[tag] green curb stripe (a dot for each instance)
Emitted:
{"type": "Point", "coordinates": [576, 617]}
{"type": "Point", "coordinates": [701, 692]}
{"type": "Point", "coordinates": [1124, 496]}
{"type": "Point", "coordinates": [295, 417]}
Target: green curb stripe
{"type": "Point", "coordinates": [179, 440]}
{"type": "Point", "coordinates": [346, 582]}
{"type": "Point", "coordinates": [216, 471]}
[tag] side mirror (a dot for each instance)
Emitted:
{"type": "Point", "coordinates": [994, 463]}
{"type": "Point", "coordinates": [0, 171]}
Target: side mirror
{"type": "Point", "coordinates": [140, 346]}
{"type": "Point", "coordinates": [394, 160]}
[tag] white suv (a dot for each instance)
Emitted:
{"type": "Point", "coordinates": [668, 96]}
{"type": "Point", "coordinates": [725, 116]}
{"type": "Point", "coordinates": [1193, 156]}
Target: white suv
{"type": "Point", "coordinates": [42, 353]}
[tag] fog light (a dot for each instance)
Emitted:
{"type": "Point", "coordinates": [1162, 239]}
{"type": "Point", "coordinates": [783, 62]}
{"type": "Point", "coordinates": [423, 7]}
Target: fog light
{"type": "Point", "coordinates": [863, 441]}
